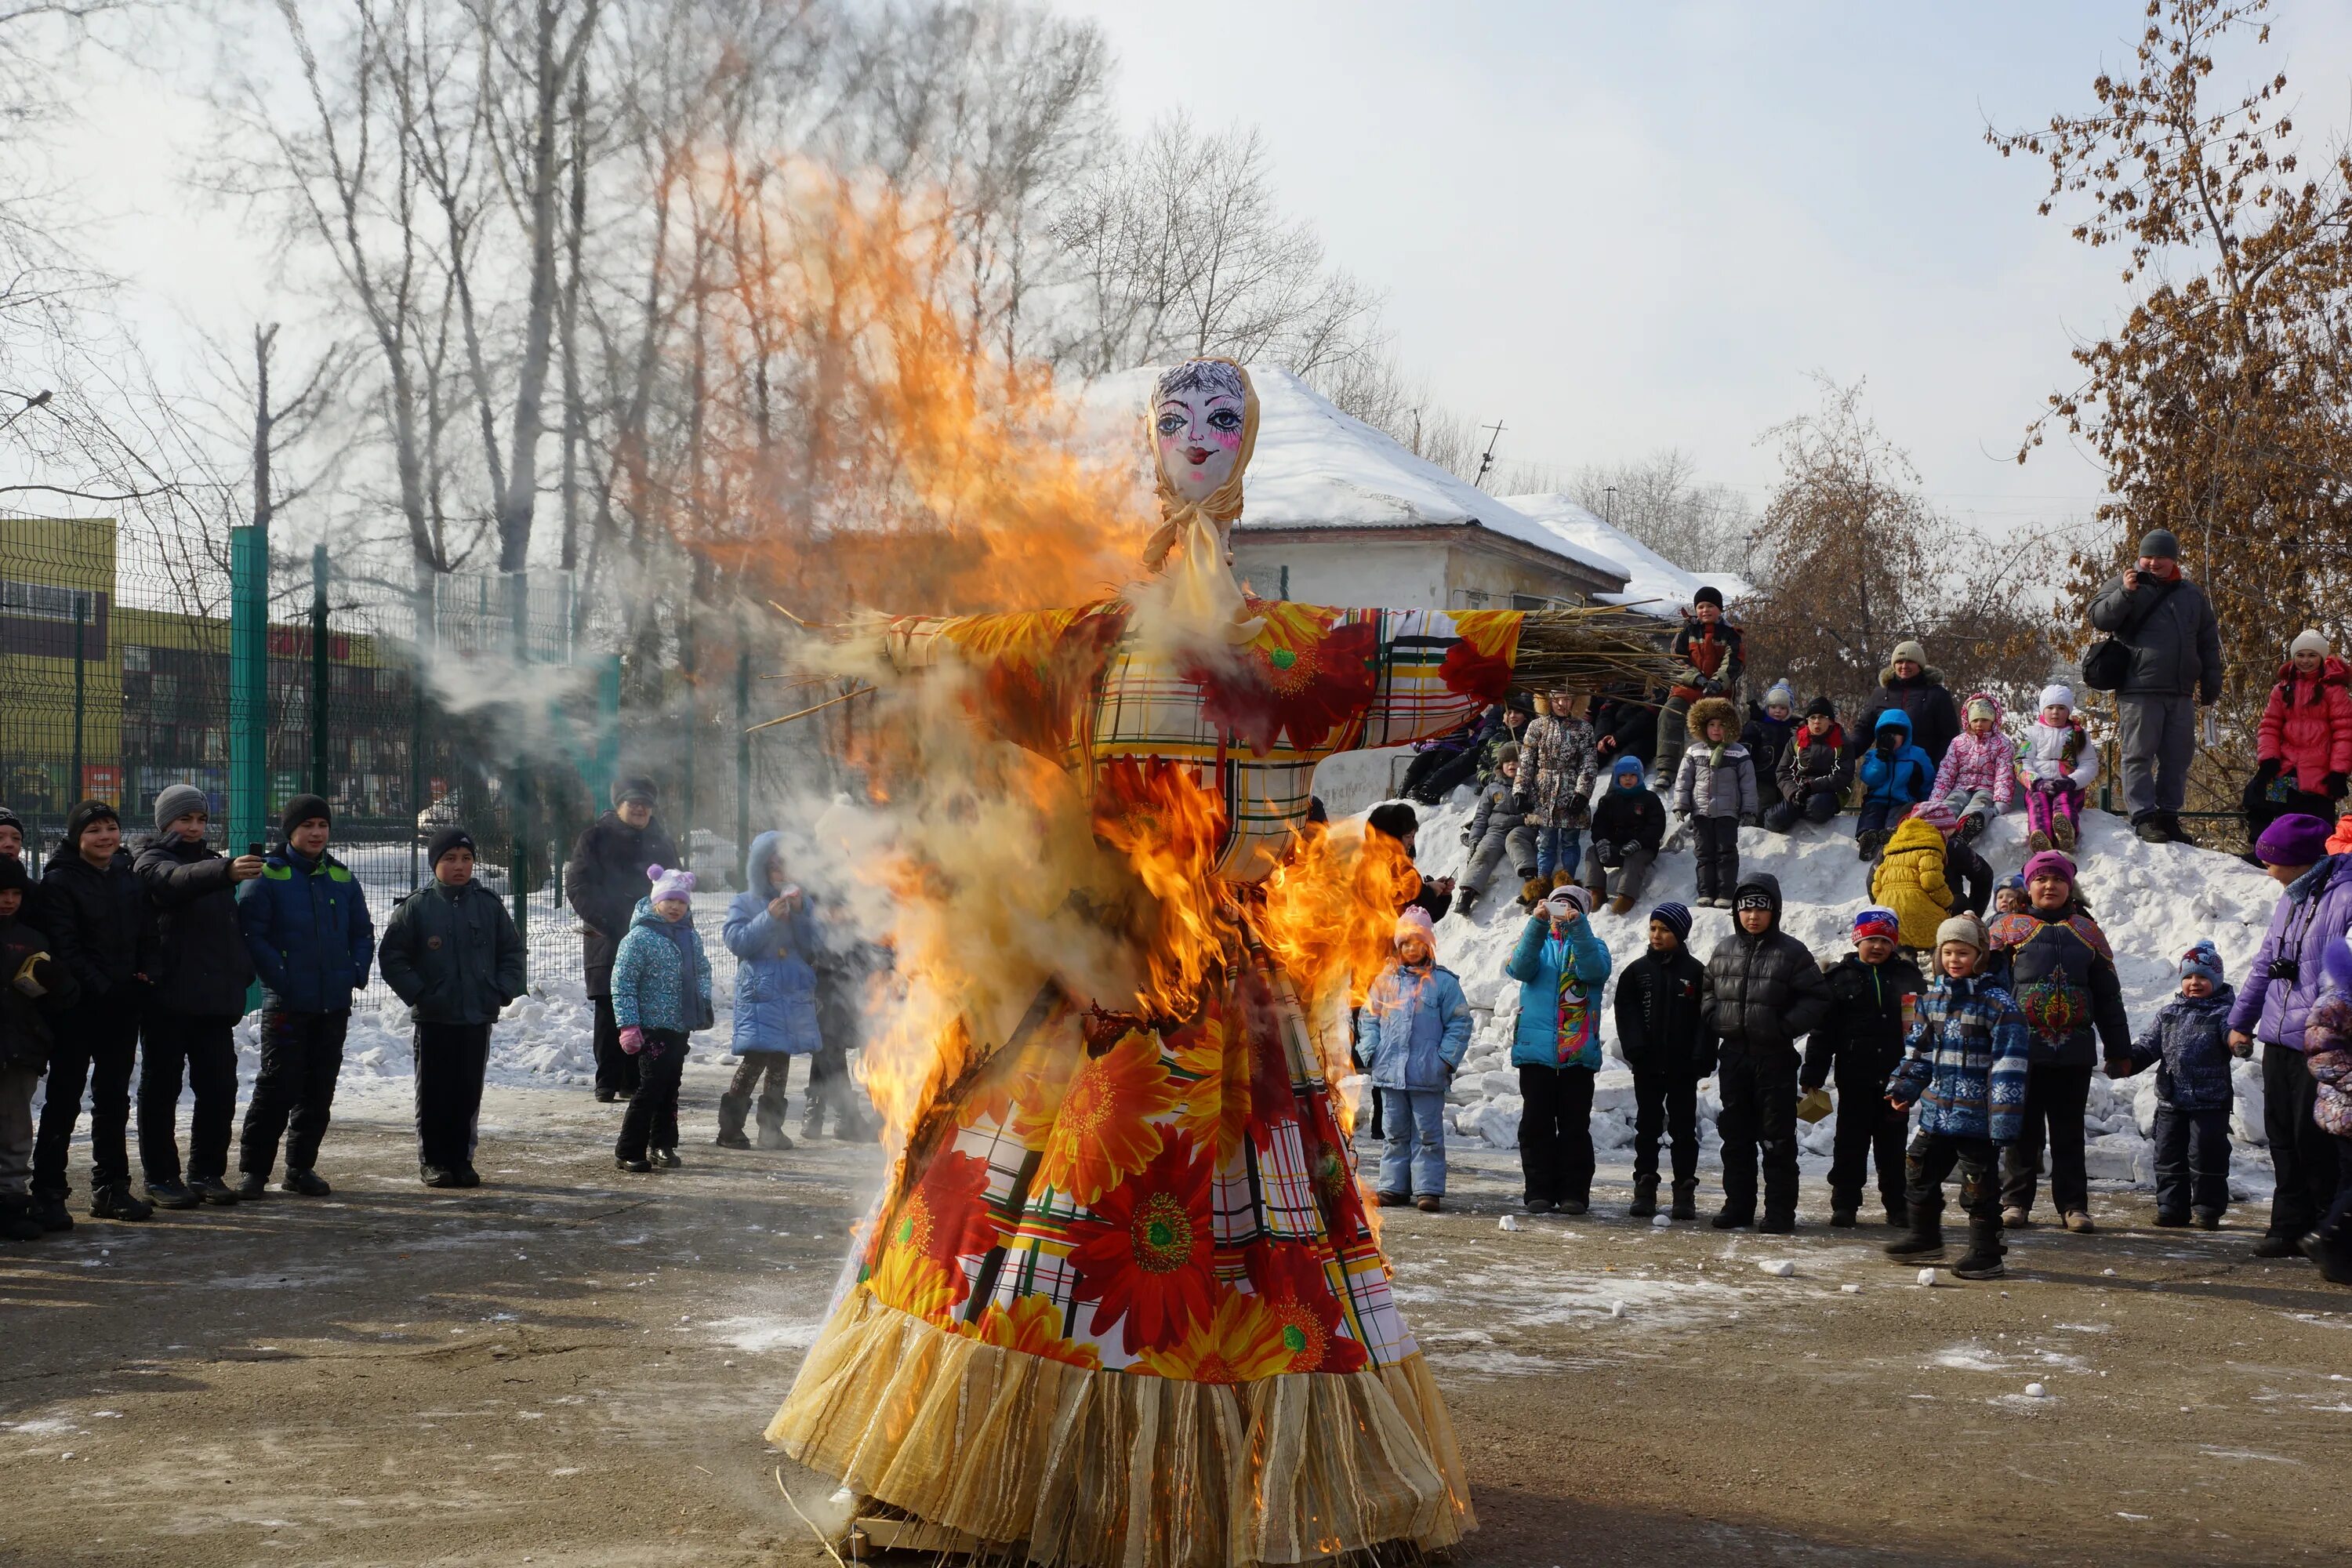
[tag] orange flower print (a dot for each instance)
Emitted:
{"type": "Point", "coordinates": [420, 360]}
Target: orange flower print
{"type": "Point", "coordinates": [1216, 1105]}
{"type": "Point", "coordinates": [913, 1282]}
{"type": "Point", "coordinates": [1106, 1129]}
{"type": "Point", "coordinates": [1033, 1325]}
{"type": "Point", "coordinates": [1142, 1257]}
{"type": "Point", "coordinates": [1240, 1342]}
{"type": "Point", "coordinates": [1293, 1280]}
{"type": "Point", "coordinates": [1022, 1092]}
{"type": "Point", "coordinates": [944, 1215]}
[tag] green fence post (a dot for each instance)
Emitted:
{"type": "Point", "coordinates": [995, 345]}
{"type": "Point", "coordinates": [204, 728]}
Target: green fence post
{"type": "Point", "coordinates": [319, 671]}
{"type": "Point", "coordinates": [249, 684]}
{"type": "Point", "coordinates": [608, 734]}
{"type": "Point", "coordinates": [82, 624]}
{"type": "Point", "coordinates": [686, 663]}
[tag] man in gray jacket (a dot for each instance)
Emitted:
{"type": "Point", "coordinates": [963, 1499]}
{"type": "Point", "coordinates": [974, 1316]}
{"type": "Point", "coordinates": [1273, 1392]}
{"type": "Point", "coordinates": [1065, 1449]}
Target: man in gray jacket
{"type": "Point", "coordinates": [2167, 623]}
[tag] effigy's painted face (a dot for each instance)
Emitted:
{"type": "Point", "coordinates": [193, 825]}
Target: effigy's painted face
{"type": "Point", "coordinates": [1198, 433]}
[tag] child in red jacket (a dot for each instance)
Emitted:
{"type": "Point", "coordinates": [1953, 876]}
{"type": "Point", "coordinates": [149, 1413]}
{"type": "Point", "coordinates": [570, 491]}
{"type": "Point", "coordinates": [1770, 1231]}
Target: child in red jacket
{"type": "Point", "coordinates": [2306, 748]}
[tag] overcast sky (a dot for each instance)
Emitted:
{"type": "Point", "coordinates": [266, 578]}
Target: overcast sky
{"type": "Point", "coordinates": [1614, 227]}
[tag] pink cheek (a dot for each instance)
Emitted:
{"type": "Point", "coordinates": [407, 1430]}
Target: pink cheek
{"type": "Point", "coordinates": [1231, 440]}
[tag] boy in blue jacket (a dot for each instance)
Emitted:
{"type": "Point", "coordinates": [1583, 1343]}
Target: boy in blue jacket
{"type": "Point", "coordinates": [1965, 1064]}
{"type": "Point", "coordinates": [306, 925]}
{"type": "Point", "coordinates": [1419, 1023]}
{"type": "Point", "coordinates": [1561, 967]}
{"type": "Point", "coordinates": [2190, 1044]}
{"type": "Point", "coordinates": [1895, 775]}
{"type": "Point", "coordinates": [661, 993]}
{"type": "Point", "coordinates": [773, 935]}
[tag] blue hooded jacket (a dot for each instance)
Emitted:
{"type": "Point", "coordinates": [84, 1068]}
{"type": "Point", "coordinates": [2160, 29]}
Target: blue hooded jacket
{"type": "Point", "coordinates": [649, 974]}
{"type": "Point", "coordinates": [775, 979]}
{"type": "Point", "coordinates": [1906, 777]}
{"type": "Point", "coordinates": [1421, 1027]}
{"type": "Point", "coordinates": [306, 925]}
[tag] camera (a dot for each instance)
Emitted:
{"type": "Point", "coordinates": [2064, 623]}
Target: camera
{"type": "Point", "coordinates": [2286, 969]}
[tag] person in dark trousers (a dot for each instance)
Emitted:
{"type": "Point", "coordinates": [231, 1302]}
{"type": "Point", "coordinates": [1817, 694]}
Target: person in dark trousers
{"type": "Point", "coordinates": [1625, 725]}
{"type": "Point", "coordinates": [603, 882]}
{"type": "Point", "coordinates": [1708, 662]}
{"type": "Point", "coordinates": [2053, 959]}
{"type": "Point", "coordinates": [33, 988]}
{"type": "Point", "coordinates": [1770, 729]}
{"type": "Point", "coordinates": [661, 994]}
{"type": "Point", "coordinates": [307, 928]}
{"type": "Point", "coordinates": [1662, 1034]}
{"type": "Point", "coordinates": [1764, 994]}
{"type": "Point", "coordinates": [1872, 994]}
{"type": "Point", "coordinates": [1446, 760]}
{"type": "Point", "coordinates": [1814, 770]}
{"type": "Point", "coordinates": [451, 952]}
{"type": "Point", "coordinates": [1911, 684]}
{"type": "Point", "coordinates": [1714, 792]}
{"type": "Point", "coordinates": [2281, 987]}
{"type": "Point", "coordinates": [1629, 828]}
{"type": "Point", "coordinates": [101, 930]}
{"type": "Point", "coordinates": [1561, 967]}
{"type": "Point", "coordinates": [2165, 624]}
{"type": "Point", "coordinates": [2189, 1046]}
{"type": "Point", "coordinates": [204, 969]}
{"type": "Point", "coordinates": [775, 938]}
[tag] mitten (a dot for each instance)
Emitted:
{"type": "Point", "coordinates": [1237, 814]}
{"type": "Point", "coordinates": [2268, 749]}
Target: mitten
{"type": "Point", "coordinates": [633, 1039]}
{"type": "Point", "coordinates": [2266, 771]}
{"type": "Point", "coordinates": [36, 975]}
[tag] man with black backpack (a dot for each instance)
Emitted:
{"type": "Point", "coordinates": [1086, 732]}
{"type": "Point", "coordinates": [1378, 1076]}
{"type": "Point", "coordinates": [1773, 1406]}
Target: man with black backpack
{"type": "Point", "coordinates": [2165, 649]}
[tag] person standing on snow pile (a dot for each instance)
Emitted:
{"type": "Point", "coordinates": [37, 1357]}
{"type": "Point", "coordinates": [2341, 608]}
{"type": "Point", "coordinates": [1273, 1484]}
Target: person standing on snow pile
{"type": "Point", "coordinates": [1965, 1065]}
{"type": "Point", "coordinates": [306, 926]}
{"type": "Point", "coordinates": [451, 952]}
{"type": "Point", "coordinates": [2327, 1051]}
{"type": "Point", "coordinates": [1662, 1034]}
{"type": "Point", "coordinates": [2010, 898]}
{"type": "Point", "coordinates": [101, 930]}
{"type": "Point", "coordinates": [2189, 1045]}
{"type": "Point", "coordinates": [2165, 624]}
{"type": "Point", "coordinates": [1628, 827]}
{"type": "Point", "coordinates": [1558, 758]}
{"type": "Point", "coordinates": [1561, 967]}
{"type": "Point", "coordinates": [1977, 777]}
{"type": "Point", "coordinates": [205, 968]}
{"type": "Point", "coordinates": [2057, 765]}
{"type": "Point", "coordinates": [1767, 735]}
{"type": "Point", "coordinates": [1715, 792]}
{"type": "Point", "coordinates": [1502, 826]}
{"type": "Point", "coordinates": [1873, 993]}
{"type": "Point", "coordinates": [1625, 723]}
{"type": "Point", "coordinates": [774, 936]}
{"type": "Point", "coordinates": [1420, 1025]}
{"type": "Point", "coordinates": [2274, 1006]}
{"type": "Point", "coordinates": [661, 994]}
{"type": "Point", "coordinates": [603, 882]}
{"type": "Point", "coordinates": [34, 991]}
{"type": "Point", "coordinates": [1919, 691]}
{"type": "Point", "coordinates": [1764, 994]}
{"type": "Point", "coordinates": [1895, 776]}
{"type": "Point", "coordinates": [2306, 747]}
{"type": "Point", "coordinates": [2055, 961]}
{"type": "Point", "coordinates": [1709, 662]}
{"type": "Point", "coordinates": [1909, 880]}
{"type": "Point", "coordinates": [1814, 773]}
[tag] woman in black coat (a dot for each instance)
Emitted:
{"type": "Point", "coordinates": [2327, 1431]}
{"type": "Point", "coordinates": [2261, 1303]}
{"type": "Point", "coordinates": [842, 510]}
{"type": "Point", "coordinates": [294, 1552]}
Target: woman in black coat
{"type": "Point", "coordinates": [603, 882]}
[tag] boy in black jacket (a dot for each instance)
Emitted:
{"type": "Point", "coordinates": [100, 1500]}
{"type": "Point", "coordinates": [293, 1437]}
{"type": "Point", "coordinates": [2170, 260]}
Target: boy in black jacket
{"type": "Point", "coordinates": [1872, 992]}
{"type": "Point", "coordinates": [1663, 1036]}
{"type": "Point", "coordinates": [32, 985]}
{"type": "Point", "coordinates": [1764, 994]}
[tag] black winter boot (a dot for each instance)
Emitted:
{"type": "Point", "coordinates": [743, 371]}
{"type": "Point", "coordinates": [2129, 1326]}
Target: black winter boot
{"type": "Point", "coordinates": [1984, 1255]}
{"type": "Point", "coordinates": [119, 1202]}
{"type": "Point", "coordinates": [1685, 1200]}
{"type": "Point", "coordinates": [252, 1183]}
{"type": "Point", "coordinates": [1925, 1236]}
{"type": "Point", "coordinates": [49, 1209]}
{"type": "Point", "coordinates": [732, 1108]}
{"type": "Point", "coordinates": [1729, 1218]}
{"type": "Point", "coordinates": [1645, 1198]}
{"type": "Point", "coordinates": [17, 1221]}
{"type": "Point", "coordinates": [311, 1185]}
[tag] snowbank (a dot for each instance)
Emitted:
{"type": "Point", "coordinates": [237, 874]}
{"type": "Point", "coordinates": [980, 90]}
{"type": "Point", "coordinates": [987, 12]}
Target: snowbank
{"type": "Point", "coordinates": [2153, 900]}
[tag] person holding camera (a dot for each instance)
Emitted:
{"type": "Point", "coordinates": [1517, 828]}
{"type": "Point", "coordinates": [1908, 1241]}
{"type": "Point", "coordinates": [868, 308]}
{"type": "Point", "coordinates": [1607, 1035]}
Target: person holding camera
{"type": "Point", "coordinates": [2275, 1005]}
{"type": "Point", "coordinates": [2165, 624]}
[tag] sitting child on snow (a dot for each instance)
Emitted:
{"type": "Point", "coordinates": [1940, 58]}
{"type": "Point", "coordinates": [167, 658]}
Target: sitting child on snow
{"type": "Point", "coordinates": [1979, 776]}
{"type": "Point", "coordinates": [1419, 1025]}
{"type": "Point", "coordinates": [1628, 826]}
{"type": "Point", "coordinates": [2057, 765]}
{"type": "Point", "coordinates": [1813, 770]}
{"type": "Point", "coordinates": [1895, 776]}
{"type": "Point", "coordinates": [1504, 823]}
{"type": "Point", "coordinates": [2189, 1041]}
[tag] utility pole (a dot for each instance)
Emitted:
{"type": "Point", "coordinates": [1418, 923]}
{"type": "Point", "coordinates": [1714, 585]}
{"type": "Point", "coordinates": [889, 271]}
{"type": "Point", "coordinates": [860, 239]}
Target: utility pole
{"type": "Point", "coordinates": [1487, 461]}
{"type": "Point", "coordinates": [1610, 492]}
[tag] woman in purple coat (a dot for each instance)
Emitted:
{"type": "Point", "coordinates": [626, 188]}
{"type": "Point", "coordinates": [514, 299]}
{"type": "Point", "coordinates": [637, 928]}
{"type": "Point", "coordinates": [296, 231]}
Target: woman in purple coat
{"type": "Point", "coordinates": [2272, 1006]}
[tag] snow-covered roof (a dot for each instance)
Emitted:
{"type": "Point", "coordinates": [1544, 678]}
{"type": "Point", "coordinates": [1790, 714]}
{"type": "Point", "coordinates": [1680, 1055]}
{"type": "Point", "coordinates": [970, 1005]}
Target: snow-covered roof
{"type": "Point", "coordinates": [1653, 584]}
{"type": "Point", "coordinates": [1315, 467]}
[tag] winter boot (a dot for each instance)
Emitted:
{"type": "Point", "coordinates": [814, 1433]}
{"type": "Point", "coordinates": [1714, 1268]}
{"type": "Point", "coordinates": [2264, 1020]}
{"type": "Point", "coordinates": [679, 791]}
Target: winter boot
{"type": "Point", "coordinates": [252, 1183]}
{"type": "Point", "coordinates": [1645, 1198]}
{"type": "Point", "coordinates": [1429, 1202]}
{"type": "Point", "coordinates": [666, 1158]}
{"type": "Point", "coordinates": [1623, 904]}
{"type": "Point", "coordinates": [1925, 1236]}
{"type": "Point", "coordinates": [773, 1138]}
{"type": "Point", "coordinates": [1843, 1218]}
{"type": "Point", "coordinates": [2037, 842]}
{"type": "Point", "coordinates": [1729, 1218]}
{"type": "Point", "coordinates": [309, 1185]}
{"type": "Point", "coordinates": [1541, 1205]}
{"type": "Point", "coordinates": [1685, 1200]}
{"type": "Point", "coordinates": [2334, 1258]}
{"type": "Point", "coordinates": [17, 1221]}
{"type": "Point", "coordinates": [117, 1202]}
{"type": "Point", "coordinates": [213, 1190]}
{"type": "Point", "coordinates": [49, 1208]}
{"type": "Point", "coordinates": [1464, 899]}
{"type": "Point", "coordinates": [2015, 1218]}
{"type": "Point", "coordinates": [1533, 891]}
{"type": "Point", "coordinates": [2209, 1219]}
{"type": "Point", "coordinates": [2169, 1220]}
{"type": "Point", "coordinates": [164, 1195]}
{"type": "Point", "coordinates": [1777, 1222]}
{"type": "Point", "coordinates": [2276, 1244]}
{"type": "Point", "coordinates": [1984, 1254]}
{"type": "Point", "coordinates": [2150, 830]}
{"type": "Point", "coordinates": [2079, 1223]}
{"type": "Point", "coordinates": [813, 1120]}
{"type": "Point", "coordinates": [2061, 833]}
{"type": "Point", "coordinates": [732, 1108]}
{"type": "Point", "coordinates": [1899, 1215]}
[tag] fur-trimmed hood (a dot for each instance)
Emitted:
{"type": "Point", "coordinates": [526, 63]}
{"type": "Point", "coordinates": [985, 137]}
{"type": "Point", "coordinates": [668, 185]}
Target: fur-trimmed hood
{"type": "Point", "coordinates": [1929, 676]}
{"type": "Point", "coordinates": [1707, 709]}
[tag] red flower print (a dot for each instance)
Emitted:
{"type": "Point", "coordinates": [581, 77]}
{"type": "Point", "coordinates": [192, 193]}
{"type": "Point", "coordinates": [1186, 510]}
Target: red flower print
{"type": "Point", "coordinates": [1143, 1257]}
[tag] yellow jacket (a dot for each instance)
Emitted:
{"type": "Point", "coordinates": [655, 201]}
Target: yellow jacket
{"type": "Point", "coordinates": [1910, 881]}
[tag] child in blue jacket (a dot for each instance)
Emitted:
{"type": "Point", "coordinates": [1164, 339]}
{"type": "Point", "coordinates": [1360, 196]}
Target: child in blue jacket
{"type": "Point", "coordinates": [774, 938]}
{"type": "Point", "coordinates": [1895, 775]}
{"type": "Point", "coordinates": [1419, 1023]}
{"type": "Point", "coordinates": [1561, 967]}
{"type": "Point", "coordinates": [661, 992]}
{"type": "Point", "coordinates": [2190, 1044]}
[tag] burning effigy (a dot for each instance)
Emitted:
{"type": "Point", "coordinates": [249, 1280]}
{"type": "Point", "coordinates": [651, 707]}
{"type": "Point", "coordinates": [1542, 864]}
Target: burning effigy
{"type": "Point", "coordinates": [1122, 1300]}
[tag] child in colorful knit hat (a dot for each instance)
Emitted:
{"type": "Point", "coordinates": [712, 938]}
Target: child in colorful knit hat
{"type": "Point", "coordinates": [661, 993]}
{"type": "Point", "coordinates": [2189, 1042]}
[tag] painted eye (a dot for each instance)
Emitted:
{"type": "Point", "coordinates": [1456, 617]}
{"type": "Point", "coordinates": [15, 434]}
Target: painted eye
{"type": "Point", "coordinates": [1171, 423]}
{"type": "Point", "coordinates": [1224, 419]}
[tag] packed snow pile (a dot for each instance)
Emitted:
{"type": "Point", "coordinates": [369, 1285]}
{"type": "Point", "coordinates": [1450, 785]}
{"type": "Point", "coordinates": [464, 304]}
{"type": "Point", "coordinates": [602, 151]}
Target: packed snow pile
{"type": "Point", "coordinates": [2153, 901]}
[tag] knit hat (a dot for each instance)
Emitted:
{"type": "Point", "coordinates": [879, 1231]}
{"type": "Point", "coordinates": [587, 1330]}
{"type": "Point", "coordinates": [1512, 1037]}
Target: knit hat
{"type": "Point", "coordinates": [1393, 818]}
{"type": "Point", "coordinates": [2294, 839]}
{"type": "Point", "coordinates": [2056, 695]}
{"type": "Point", "coordinates": [2051, 860]}
{"type": "Point", "coordinates": [1822, 706]}
{"type": "Point", "coordinates": [14, 875]}
{"type": "Point", "coordinates": [1877, 920]}
{"type": "Point", "coordinates": [448, 838]}
{"type": "Point", "coordinates": [302, 808]}
{"type": "Point", "coordinates": [1909, 649]}
{"type": "Point", "coordinates": [1708, 593]}
{"type": "Point", "coordinates": [635, 786]}
{"type": "Point", "coordinates": [173, 802]}
{"type": "Point", "coordinates": [1675, 918]}
{"type": "Point", "coordinates": [1508, 752]}
{"type": "Point", "coordinates": [2309, 641]}
{"type": "Point", "coordinates": [1962, 928]}
{"type": "Point", "coordinates": [1937, 815]}
{"type": "Point", "coordinates": [1979, 704]}
{"type": "Point", "coordinates": [1779, 695]}
{"type": "Point", "coordinates": [2014, 880]}
{"type": "Point", "coordinates": [1752, 898]}
{"type": "Point", "coordinates": [670, 884]}
{"type": "Point", "coordinates": [1415, 921]}
{"type": "Point", "coordinates": [1624, 765]}
{"type": "Point", "coordinates": [2158, 544]}
{"type": "Point", "coordinates": [1569, 899]}
{"type": "Point", "coordinates": [10, 819]}
{"type": "Point", "coordinates": [2204, 959]}
{"type": "Point", "coordinates": [83, 815]}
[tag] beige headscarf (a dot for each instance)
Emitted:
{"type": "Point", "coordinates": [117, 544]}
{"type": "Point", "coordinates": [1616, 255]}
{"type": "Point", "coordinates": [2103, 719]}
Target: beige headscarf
{"type": "Point", "coordinates": [1189, 545]}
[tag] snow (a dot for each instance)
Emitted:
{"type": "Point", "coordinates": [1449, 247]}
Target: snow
{"type": "Point", "coordinates": [2153, 901]}
{"type": "Point", "coordinates": [1654, 584]}
{"type": "Point", "coordinates": [1315, 467]}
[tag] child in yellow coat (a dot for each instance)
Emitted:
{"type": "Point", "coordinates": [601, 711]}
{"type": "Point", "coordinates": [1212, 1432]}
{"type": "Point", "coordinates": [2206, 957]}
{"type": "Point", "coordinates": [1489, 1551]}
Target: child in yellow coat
{"type": "Point", "coordinates": [1910, 880]}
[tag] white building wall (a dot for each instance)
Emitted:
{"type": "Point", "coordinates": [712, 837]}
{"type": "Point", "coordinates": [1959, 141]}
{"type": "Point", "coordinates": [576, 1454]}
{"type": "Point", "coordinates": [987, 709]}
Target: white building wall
{"type": "Point", "coordinates": [1347, 574]}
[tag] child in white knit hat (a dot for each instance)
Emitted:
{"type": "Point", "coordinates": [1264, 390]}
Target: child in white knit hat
{"type": "Point", "coordinates": [2057, 765]}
